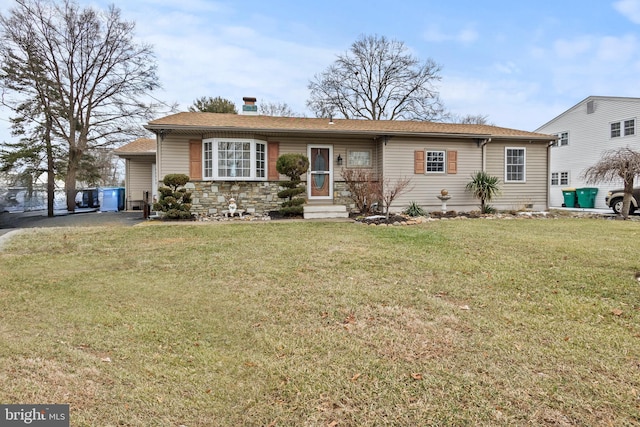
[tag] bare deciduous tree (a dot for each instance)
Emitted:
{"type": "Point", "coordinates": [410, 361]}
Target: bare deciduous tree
{"type": "Point", "coordinates": [96, 76]}
{"type": "Point", "coordinates": [622, 163]}
{"type": "Point", "coordinates": [276, 109]}
{"type": "Point", "coordinates": [389, 190]}
{"type": "Point", "coordinates": [377, 79]}
{"type": "Point", "coordinates": [362, 187]}
{"type": "Point", "coordinates": [471, 119]}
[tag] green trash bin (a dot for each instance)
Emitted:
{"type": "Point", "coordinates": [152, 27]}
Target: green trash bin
{"type": "Point", "coordinates": [586, 197]}
{"type": "Point", "coordinates": [569, 197]}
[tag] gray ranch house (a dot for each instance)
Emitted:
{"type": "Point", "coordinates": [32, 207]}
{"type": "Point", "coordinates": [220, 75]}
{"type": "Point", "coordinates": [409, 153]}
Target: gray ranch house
{"type": "Point", "coordinates": [234, 155]}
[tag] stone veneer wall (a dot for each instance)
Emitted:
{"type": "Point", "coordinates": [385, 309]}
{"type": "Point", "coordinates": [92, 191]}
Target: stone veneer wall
{"type": "Point", "coordinates": [258, 197]}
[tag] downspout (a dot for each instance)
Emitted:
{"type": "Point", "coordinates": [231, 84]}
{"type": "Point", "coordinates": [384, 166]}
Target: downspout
{"type": "Point", "coordinates": [484, 153]}
{"type": "Point", "coordinates": [160, 136]}
{"type": "Point", "coordinates": [159, 139]}
{"type": "Point", "coordinates": [549, 145]}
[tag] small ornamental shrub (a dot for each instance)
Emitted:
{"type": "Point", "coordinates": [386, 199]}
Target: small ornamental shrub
{"type": "Point", "coordinates": [293, 166]}
{"type": "Point", "coordinates": [175, 200]}
{"type": "Point", "coordinates": [415, 210]}
{"type": "Point", "coordinates": [485, 188]}
{"type": "Point", "coordinates": [363, 189]}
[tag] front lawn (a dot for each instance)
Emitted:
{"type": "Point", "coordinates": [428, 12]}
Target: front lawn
{"type": "Point", "coordinates": [458, 322]}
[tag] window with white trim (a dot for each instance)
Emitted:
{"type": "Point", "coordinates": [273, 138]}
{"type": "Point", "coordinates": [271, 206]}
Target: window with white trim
{"type": "Point", "coordinates": [623, 128]}
{"type": "Point", "coordinates": [435, 161]}
{"type": "Point", "coordinates": [564, 178]}
{"type": "Point", "coordinates": [559, 178]}
{"type": "Point", "coordinates": [234, 159]}
{"type": "Point", "coordinates": [615, 130]}
{"type": "Point", "coordinates": [514, 165]}
{"type": "Point", "coordinates": [563, 139]}
{"type": "Point", "coordinates": [629, 127]}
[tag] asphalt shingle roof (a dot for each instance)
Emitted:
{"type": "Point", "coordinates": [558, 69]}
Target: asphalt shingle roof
{"type": "Point", "coordinates": [139, 146]}
{"type": "Point", "coordinates": [238, 122]}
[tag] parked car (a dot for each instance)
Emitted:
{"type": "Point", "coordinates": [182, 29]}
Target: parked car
{"type": "Point", "coordinates": [613, 199]}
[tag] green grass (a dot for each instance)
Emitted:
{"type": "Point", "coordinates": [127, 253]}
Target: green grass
{"type": "Point", "coordinates": [470, 322]}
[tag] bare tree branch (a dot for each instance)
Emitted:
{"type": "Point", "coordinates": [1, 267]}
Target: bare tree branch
{"type": "Point", "coordinates": [622, 163]}
{"type": "Point", "coordinates": [97, 77]}
{"type": "Point", "coordinates": [377, 79]}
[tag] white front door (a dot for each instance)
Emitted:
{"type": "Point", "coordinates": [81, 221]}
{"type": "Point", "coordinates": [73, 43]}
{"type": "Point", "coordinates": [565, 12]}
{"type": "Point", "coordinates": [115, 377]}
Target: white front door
{"type": "Point", "coordinates": [320, 176]}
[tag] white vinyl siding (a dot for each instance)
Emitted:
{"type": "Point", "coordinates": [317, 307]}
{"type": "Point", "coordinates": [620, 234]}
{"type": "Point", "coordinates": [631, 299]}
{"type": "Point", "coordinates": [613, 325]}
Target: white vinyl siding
{"type": "Point", "coordinates": [589, 137]}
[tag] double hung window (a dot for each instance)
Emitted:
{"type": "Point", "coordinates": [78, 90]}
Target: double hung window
{"type": "Point", "coordinates": [515, 159]}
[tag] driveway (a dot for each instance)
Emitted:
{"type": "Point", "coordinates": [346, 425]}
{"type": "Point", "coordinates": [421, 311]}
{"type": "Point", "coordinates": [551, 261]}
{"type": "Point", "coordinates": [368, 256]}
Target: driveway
{"type": "Point", "coordinates": [87, 218]}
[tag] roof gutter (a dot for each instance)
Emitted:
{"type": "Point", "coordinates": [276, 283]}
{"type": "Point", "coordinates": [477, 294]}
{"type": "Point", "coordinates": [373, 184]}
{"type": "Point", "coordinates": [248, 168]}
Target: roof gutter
{"type": "Point", "coordinates": [163, 130]}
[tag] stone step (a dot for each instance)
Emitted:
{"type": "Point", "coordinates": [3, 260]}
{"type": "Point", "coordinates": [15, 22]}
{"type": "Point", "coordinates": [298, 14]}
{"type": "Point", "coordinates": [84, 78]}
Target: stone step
{"type": "Point", "coordinates": [325, 211]}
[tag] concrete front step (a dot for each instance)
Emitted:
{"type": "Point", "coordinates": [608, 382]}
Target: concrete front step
{"type": "Point", "coordinates": [325, 211]}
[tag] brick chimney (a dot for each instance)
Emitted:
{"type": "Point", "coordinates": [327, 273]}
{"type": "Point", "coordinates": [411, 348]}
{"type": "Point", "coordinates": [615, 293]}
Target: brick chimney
{"type": "Point", "coordinates": [249, 108]}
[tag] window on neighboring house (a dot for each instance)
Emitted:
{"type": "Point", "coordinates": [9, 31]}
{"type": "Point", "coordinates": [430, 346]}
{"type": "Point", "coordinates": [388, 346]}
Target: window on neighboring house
{"type": "Point", "coordinates": [435, 161]}
{"type": "Point", "coordinates": [629, 127]}
{"type": "Point", "coordinates": [515, 165]}
{"type": "Point", "coordinates": [564, 178]}
{"type": "Point", "coordinates": [623, 128]}
{"type": "Point", "coordinates": [237, 159]}
{"type": "Point", "coordinates": [563, 139]}
{"type": "Point", "coordinates": [559, 178]}
{"type": "Point", "coordinates": [615, 130]}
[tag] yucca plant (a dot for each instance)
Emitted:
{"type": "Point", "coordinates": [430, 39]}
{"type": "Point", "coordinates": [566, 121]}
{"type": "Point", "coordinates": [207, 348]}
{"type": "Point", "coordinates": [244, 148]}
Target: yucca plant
{"type": "Point", "coordinates": [414, 210]}
{"type": "Point", "coordinates": [484, 187]}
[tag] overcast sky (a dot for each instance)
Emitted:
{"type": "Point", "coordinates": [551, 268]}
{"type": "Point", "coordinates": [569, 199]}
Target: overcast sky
{"type": "Point", "coordinates": [519, 62]}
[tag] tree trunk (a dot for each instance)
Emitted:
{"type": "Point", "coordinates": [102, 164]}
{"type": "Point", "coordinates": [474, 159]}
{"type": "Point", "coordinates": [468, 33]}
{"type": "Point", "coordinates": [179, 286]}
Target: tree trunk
{"type": "Point", "coordinates": [628, 193]}
{"type": "Point", "coordinates": [51, 187]}
{"type": "Point", "coordinates": [51, 173]}
{"type": "Point", "coordinates": [70, 180]}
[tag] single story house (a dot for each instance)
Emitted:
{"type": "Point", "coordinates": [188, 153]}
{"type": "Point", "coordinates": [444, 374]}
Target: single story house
{"type": "Point", "coordinates": [234, 155]}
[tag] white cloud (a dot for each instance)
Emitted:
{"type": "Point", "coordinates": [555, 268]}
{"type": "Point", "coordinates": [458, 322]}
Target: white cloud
{"type": "Point", "coordinates": [465, 36]}
{"type": "Point", "coordinates": [569, 49]}
{"type": "Point", "coordinates": [507, 102]}
{"type": "Point", "coordinates": [617, 49]}
{"type": "Point", "coordinates": [199, 56]}
{"type": "Point", "coordinates": [508, 67]}
{"type": "Point", "coordinates": [630, 9]}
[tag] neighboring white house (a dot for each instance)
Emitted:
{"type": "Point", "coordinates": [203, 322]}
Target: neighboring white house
{"type": "Point", "coordinates": [586, 130]}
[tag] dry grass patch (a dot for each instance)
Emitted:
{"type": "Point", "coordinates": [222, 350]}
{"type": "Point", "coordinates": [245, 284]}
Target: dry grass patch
{"type": "Point", "coordinates": [479, 322]}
